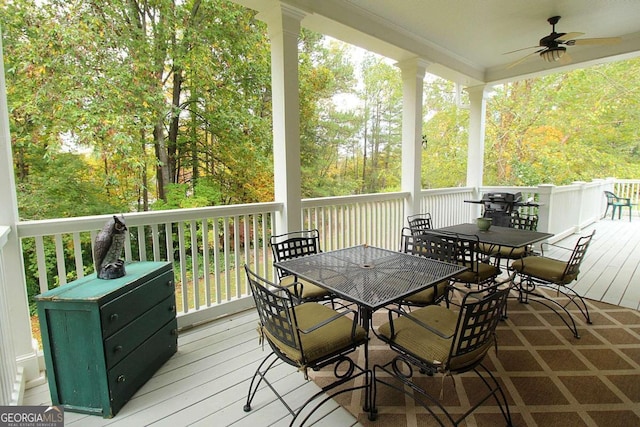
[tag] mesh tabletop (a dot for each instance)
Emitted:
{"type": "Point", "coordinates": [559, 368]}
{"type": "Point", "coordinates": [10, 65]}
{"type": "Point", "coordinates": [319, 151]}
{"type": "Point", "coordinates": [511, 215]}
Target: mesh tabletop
{"type": "Point", "coordinates": [370, 276]}
{"type": "Point", "coordinates": [499, 236]}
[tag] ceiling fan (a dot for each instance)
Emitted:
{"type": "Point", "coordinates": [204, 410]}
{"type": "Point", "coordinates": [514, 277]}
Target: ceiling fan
{"type": "Point", "coordinates": [554, 46]}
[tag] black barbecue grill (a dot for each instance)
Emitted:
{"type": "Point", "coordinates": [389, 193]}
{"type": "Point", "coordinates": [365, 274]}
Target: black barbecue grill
{"type": "Point", "coordinates": [499, 206]}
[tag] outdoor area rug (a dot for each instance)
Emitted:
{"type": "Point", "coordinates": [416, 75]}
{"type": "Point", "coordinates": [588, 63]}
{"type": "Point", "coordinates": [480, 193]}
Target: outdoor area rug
{"type": "Point", "coordinates": [550, 378]}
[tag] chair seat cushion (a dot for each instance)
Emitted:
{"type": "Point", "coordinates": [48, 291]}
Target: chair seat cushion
{"type": "Point", "coordinates": [483, 273]}
{"type": "Point", "coordinates": [309, 290]}
{"type": "Point", "coordinates": [551, 270]}
{"type": "Point", "coordinates": [324, 341]}
{"type": "Point", "coordinates": [428, 346]}
{"type": "Point", "coordinates": [502, 251]}
{"type": "Point", "coordinates": [420, 341]}
{"type": "Point", "coordinates": [429, 295]}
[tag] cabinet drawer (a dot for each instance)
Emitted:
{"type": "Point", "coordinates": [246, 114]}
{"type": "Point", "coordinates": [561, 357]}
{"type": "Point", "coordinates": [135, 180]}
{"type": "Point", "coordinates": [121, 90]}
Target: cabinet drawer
{"type": "Point", "coordinates": [122, 310]}
{"type": "Point", "coordinates": [120, 344]}
{"type": "Point", "coordinates": [133, 371]}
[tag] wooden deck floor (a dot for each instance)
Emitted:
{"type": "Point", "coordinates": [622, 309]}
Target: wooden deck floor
{"type": "Point", "coordinates": [206, 382]}
{"type": "Point", "coordinates": [610, 271]}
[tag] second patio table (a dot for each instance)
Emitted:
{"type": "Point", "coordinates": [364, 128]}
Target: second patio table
{"type": "Point", "coordinates": [499, 236]}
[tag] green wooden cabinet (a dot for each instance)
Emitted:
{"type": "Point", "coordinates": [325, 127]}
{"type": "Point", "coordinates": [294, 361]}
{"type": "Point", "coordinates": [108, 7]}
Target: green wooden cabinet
{"type": "Point", "coordinates": [103, 339]}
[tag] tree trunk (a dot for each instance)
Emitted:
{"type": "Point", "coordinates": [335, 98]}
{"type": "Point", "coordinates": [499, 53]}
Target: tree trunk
{"type": "Point", "coordinates": [172, 143]}
{"type": "Point", "coordinates": [162, 171]}
{"type": "Point", "coordinates": [145, 180]}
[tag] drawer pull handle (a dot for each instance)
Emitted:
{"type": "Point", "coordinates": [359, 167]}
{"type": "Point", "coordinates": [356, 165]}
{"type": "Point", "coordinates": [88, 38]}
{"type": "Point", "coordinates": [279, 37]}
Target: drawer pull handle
{"type": "Point", "coordinates": [117, 349]}
{"type": "Point", "coordinates": [121, 378]}
{"type": "Point", "coordinates": [172, 308]}
{"type": "Point", "coordinates": [169, 282]}
{"type": "Point", "coordinates": [113, 317]}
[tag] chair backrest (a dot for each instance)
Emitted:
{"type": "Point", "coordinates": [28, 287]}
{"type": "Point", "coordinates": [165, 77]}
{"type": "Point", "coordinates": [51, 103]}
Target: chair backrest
{"type": "Point", "coordinates": [294, 245]}
{"type": "Point", "coordinates": [573, 265]}
{"type": "Point", "coordinates": [480, 312]}
{"type": "Point", "coordinates": [419, 222]}
{"type": "Point", "coordinates": [276, 309]}
{"type": "Point", "coordinates": [429, 244]}
{"type": "Point", "coordinates": [468, 253]}
{"type": "Point", "coordinates": [611, 198]}
{"type": "Point", "coordinates": [524, 222]}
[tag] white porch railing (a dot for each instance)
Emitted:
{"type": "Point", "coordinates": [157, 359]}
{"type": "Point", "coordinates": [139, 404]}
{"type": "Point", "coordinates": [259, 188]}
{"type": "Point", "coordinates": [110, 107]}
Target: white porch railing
{"type": "Point", "coordinates": [628, 188]}
{"type": "Point", "coordinates": [210, 244]}
{"type": "Point", "coordinates": [374, 219]}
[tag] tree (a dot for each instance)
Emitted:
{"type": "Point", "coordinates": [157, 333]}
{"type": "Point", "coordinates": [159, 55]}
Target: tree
{"type": "Point", "coordinates": [324, 70]}
{"type": "Point", "coordinates": [382, 116]}
{"type": "Point", "coordinates": [182, 88]}
{"type": "Point", "coordinates": [565, 127]}
{"type": "Point", "coordinates": [445, 136]}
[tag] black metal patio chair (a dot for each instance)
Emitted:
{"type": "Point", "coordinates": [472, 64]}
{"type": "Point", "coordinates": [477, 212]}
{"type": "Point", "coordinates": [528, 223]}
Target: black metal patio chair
{"type": "Point", "coordinates": [294, 245]}
{"type": "Point", "coordinates": [419, 222]}
{"type": "Point", "coordinates": [481, 272]}
{"type": "Point", "coordinates": [540, 271]}
{"type": "Point", "coordinates": [307, 336]}
{"type": "Point", "coordinates": [429, 244]}
{"type": "Point", "coordinates": [499, 253]}
{"type": "Point", "coordinates": [436, 339]}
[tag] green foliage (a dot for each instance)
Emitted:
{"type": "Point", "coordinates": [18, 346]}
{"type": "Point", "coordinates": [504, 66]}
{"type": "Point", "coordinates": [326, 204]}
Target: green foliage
{"type": "Point", "coordinates": [65, 186]}
{"type": "Point", "coordinates": [565, 127]}
{"type": "Point", "coordinates": [324, 70]}
{"type": "Point", "coordinates": [445, 136]}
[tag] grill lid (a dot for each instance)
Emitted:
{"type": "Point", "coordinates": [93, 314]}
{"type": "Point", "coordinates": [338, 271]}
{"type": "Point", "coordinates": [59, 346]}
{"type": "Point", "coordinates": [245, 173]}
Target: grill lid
{"type": "Point", "coordinates": [507, 198]}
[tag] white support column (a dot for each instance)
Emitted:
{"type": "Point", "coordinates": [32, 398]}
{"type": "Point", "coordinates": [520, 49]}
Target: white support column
{"type": "Point", "coordinates": [284, 28]}
{"type": "Point", "coordinates": [475, 154]}
{"type": "Point", "coordinates": [14, 291]}
{"type": "Point", "coordinates": [413, 72]}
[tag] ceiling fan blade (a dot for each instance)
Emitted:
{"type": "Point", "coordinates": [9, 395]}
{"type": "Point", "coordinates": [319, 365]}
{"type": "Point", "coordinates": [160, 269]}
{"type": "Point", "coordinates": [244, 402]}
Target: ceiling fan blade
{"type": "Point", "coordinates": [585, 42]}
{"type": "Point", "coordinates": [519, 50]}
{"type": "Point", "coordinates": [565, 59]}
{"type": "Point", "coordinates": [524, 58]}
{"type": "Point", "coordinates": [568, 36]}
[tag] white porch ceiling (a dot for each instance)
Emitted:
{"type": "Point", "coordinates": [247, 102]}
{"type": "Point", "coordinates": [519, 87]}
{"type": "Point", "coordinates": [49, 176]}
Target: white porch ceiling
{"type": "Point", "coordinates": [465, 40]}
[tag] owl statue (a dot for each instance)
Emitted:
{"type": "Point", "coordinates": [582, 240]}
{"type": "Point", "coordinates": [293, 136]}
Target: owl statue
{"type": "Point", "coordinates": [108, 247]}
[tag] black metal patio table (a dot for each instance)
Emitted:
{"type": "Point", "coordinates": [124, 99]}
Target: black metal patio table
{"type": "Point", "coordinates": [368, 276]}
{"type": "Point", "coordinates": [499, 236]}
{"type": "Point", "coordinates": [371, 278]}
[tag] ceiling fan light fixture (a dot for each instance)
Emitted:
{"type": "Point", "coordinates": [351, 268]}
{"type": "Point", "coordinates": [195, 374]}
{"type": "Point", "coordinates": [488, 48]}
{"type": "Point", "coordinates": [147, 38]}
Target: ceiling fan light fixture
{"type": "Point", "coordinates": [553, 53]}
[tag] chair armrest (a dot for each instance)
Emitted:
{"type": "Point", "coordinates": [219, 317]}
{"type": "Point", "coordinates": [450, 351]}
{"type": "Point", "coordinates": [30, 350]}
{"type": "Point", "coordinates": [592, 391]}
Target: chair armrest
{"type": "Point", "coordinates": [467, 292]}
{"type": "Point", "coordinates": [416, 321]}
{"type": "Point", "coordinates": [298, 288]}
{"type": "Point", "coordinates": [542, 245]}
{"type": "Point", "coordinates": [331, 319]}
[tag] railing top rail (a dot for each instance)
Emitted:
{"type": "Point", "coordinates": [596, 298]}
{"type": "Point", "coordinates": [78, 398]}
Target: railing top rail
{"type": "Point", "coordinates": [360, 198]}
{"type": "Point", "coordinates": [509, 188]}
{"type": "Point", "coordinates": [87, 223]}
{"type": "Point", "coordinates": [456, 190]}
{"type": "Point", "coordinates": [627, 181]}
